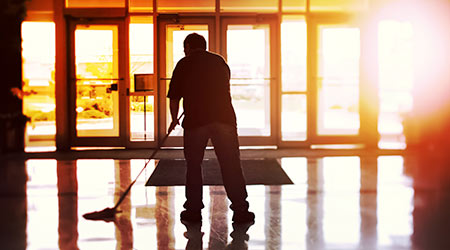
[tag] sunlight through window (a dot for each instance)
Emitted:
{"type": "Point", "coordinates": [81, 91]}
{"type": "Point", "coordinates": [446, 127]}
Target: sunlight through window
{"type": "Point", "coordinates": [248, 55]}
{"type": "Point", "coordinates": [293, 62]}
{"type": "Point", "coordinates": [338, 80]}
{"type": "Point", "coordinates": [395, 65]}
{"type": "Point", "coordinates": [96, 68]}
{"type": "Point", "coordinates": [38, 56]}
{"type": "Point", "coordinates": [142, 113]}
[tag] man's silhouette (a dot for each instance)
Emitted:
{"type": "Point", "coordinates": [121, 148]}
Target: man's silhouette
{"type": "Point", "coordinates": [202, 79]}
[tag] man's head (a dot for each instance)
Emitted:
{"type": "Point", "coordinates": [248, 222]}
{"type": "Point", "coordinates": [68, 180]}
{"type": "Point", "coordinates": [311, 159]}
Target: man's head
{"type": "Point", "coordinates": [193, 42]}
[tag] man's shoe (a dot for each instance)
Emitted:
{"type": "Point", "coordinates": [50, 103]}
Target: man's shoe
{"type": "Point", "coordinates": [191, 216]}
{"type": "Point", "coordinates": [243, 217]}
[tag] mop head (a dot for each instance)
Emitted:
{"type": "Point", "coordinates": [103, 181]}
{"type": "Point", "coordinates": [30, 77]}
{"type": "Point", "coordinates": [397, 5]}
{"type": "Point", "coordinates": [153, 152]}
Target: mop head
{"type": "Point", "coordinates": [107, 214]}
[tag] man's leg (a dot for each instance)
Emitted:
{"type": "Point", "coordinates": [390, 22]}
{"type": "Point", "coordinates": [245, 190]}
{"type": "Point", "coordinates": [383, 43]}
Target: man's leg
{"type": "Point", "coordinates": [226, 145]}
{"type": "Point", "coordinates": [195, 141]}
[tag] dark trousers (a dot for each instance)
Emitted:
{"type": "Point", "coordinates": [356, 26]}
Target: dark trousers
{"type": "Point", "coordinates": [226, 146]}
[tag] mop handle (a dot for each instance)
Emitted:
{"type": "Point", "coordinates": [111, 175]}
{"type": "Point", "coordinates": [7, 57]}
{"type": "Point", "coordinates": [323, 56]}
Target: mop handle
{"type": "Point", "coordinates": [145, 166]}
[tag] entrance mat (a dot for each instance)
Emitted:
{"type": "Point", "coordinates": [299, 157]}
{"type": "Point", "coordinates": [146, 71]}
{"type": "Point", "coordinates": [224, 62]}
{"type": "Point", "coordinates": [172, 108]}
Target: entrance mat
{"type": "Point", "coordinates": [261, 171]}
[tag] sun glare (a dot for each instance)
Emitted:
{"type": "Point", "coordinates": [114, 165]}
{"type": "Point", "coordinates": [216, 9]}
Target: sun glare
{"type": "Point", "coordinates": [395, 66]}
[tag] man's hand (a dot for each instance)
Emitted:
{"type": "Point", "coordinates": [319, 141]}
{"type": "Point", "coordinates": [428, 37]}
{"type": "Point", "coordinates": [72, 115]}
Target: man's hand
{"type": "Point", "coordinates": [173, 124]}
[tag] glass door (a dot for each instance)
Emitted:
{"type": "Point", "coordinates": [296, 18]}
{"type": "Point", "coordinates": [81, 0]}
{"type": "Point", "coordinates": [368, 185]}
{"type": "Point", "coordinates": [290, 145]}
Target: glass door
{"type": "Point", "coordinates": [247, 45]}
{"type": "Point", "coordinates": [334, 115]}
{"type": "Point", "coordinates": [172, 32]}
{"type": "Point", "coordinates": [97, 82]}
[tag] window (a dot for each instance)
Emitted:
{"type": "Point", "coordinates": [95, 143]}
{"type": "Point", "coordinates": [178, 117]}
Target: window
{"type": "Point", "coordinates": [38, 56]}
{"type": "Point", "coordinates": [395, 69]}
{"type": "Point", "coordinates": [142, 113]}
{"type": "Point", "coordinates": [293, 63]}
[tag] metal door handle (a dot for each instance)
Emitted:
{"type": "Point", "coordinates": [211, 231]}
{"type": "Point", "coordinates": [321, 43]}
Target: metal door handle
{"type": "Point", "coordinates": [112, 87]}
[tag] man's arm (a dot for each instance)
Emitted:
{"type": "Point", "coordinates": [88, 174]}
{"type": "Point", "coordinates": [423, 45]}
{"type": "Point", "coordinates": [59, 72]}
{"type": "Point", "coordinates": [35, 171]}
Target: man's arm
{"type": "Point", "coordinates": [174, 106]}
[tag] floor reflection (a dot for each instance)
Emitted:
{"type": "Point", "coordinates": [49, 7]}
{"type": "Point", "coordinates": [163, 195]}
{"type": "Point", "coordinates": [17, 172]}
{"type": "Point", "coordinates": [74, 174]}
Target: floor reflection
{"type": "Point", "coordinates": [13, 205]}
{"type": "Point", "coordinates": [354, 202]}
{"type": "Point", "coordinates": [194, 235]}
{"type": "Point", "coordinates": [164, 214]}
{"type": "Point", "coordinates": [218, 235]}
{"type": "Point", "coordinates": [67, 205]}
{"type": "Point", "coordinates": [314, 203]}
{"type": "Point", "coordinates": [368, 235]}
{"type": "Point", "coordinates": [123, 226]}
{"type": "Point", "coordinates": [273, 217]}
{"type": "Point", "coordinates": [240, 237]}
{"type": "Point", "coordinates": [431, 215]}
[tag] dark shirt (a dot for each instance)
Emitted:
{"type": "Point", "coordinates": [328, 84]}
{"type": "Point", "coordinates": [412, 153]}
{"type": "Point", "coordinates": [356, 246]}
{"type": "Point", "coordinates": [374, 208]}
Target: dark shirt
{"type": "Point", "coordinates": [202, 79]}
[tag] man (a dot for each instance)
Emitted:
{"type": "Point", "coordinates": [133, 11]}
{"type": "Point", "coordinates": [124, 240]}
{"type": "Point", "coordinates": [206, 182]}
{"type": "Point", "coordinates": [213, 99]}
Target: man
{"type": "Point", "coordinates": [202, 79]}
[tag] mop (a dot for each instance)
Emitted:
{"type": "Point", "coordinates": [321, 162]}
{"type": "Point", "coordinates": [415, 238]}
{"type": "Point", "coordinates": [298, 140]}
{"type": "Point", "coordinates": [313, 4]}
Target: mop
{"type": "Point", "coordinates": [108, 214]}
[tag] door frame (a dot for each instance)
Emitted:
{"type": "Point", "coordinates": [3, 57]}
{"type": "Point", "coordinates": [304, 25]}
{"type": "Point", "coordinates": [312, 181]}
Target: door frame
{"type": "Point", "coordinates": [123, 82]}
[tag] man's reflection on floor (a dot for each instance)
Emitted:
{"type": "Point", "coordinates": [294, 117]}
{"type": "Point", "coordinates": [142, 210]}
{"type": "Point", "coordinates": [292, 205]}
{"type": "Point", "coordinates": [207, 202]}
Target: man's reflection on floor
{"type": "Point", "coordinates": [239, 236]}
{"type": "Point", "coordinates": [194, 235]}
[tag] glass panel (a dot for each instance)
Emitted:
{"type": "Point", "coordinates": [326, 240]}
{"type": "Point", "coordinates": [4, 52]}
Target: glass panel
{"type": "Point", "coordinates": [338, 80]}
{"type": "Point", "coordinates": [141, 62]}
{"type": "Point", "coordinates": [175, 35]}
{"type": "Point", "coordinates": [95, 4]}
{"type": "Point", "coordinates": [249, 5]}
{"type": "Point", "coordinates": [38, 57]}
{"type": "Point", "coordinates": [141, 47]}
{"type": "Point", "coordinates": [186, 6]}
{"type": "Point", "coordinates": [395, 65]}
{"type": "Point", "coordinates": [339, 5]}
{"type": "Point", "coordinates": [293, 54]}
{"type": "Point", "coordinates": [248, 50]}
{"type": "Point", "coordinates": [294, 5]}
{"type": "Point", "coordinates": [140, 5]}
{"type": "Point", "coordinates": [97, 71]}
{"type": "Point", "coordinates": [142, 118]}
{"type": "Point", "coordinates": [293, 118]}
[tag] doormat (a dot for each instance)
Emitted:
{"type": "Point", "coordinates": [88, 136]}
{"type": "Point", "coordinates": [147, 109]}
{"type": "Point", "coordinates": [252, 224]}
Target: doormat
{"type": "Point", "coordinates": [261, 171]}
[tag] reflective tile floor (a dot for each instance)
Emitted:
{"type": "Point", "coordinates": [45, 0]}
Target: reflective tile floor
{"type": "Point", "coordinates": [343, 202]}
